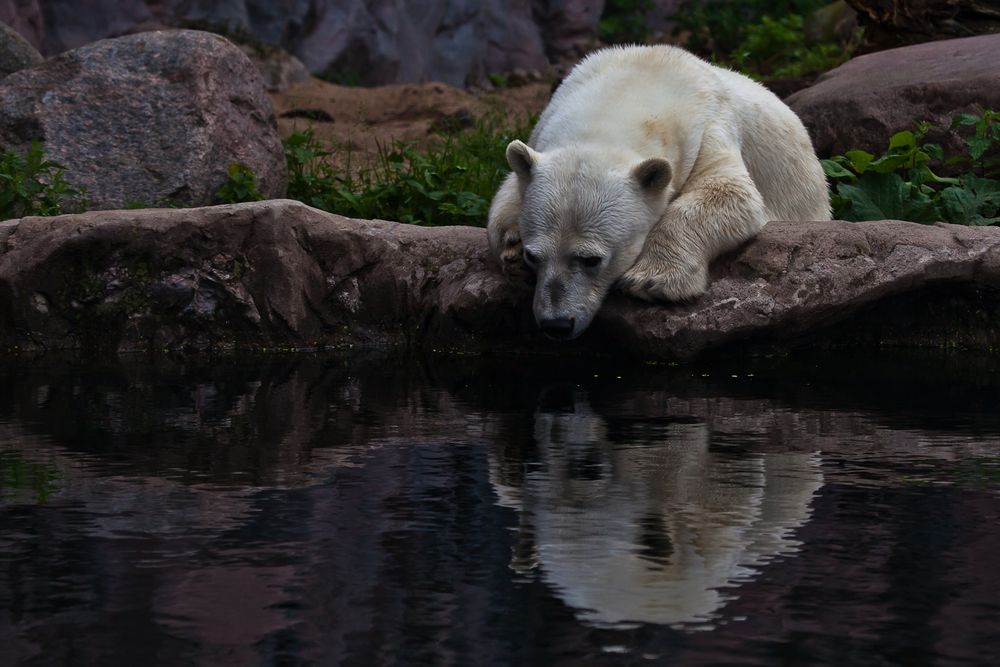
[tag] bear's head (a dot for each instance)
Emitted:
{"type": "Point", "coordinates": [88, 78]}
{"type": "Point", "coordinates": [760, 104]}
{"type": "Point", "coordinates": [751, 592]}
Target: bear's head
{"type": "Point", "coordinates": [584, 219]}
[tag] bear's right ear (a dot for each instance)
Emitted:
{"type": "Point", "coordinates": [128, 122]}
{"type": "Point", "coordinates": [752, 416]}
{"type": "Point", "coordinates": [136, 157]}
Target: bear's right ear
{"type": "Point", "coordinates": [653, 175]}
{"type": "Point", "coordinates": [522, 159]}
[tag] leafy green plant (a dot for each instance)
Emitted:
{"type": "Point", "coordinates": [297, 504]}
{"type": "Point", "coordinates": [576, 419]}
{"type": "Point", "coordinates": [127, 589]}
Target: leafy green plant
{"type": "Point", "coordinates": [33, 185]}
{"type": "Point", "coordinates": [241, 185]}
{"type": "Point", "coordinates": [983, 143]}
{"type": "Point", "coordinates": [902, 184]}
{"type": "Point", "coordinates": [450, 182]}
{"type": "Point", "coordinates": [718, 27]}
{"type": "Point", "coordinates": [624, 21]}
{"type": "Point", "coordinates": [765, 40]}
{"type": "Point", "coordinates": [777, 48]}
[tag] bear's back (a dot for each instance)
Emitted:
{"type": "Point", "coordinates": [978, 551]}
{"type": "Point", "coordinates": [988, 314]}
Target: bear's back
{"type": "Point", "coordinates": [617, 96]}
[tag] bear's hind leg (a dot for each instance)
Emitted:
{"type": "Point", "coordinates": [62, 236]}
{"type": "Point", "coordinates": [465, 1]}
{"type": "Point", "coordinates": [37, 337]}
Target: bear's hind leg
{"type": "Point", "coordinates": [716, 213]}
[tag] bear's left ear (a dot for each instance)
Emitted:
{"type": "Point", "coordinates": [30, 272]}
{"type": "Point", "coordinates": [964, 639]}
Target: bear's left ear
{"type": "Point", "coordinates": [521, 159]}
{"type": "Point", "coordinates": [653, 175]}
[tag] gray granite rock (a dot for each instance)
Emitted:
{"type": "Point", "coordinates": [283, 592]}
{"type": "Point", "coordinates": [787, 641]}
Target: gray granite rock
{"type": "Point", "coordinates": [154, 118]}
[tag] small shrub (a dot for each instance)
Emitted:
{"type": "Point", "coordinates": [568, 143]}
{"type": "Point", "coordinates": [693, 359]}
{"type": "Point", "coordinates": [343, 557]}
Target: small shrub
{"type": "Point", "coordinates": [983, 144]}
{"type": "Point", "coordinates": [777, 48]}
{"type": "Point", "coordinates": [765, 40]}
{"type": "Point", "coordinates": [901, 184]}
{"type": "Point", "coordinates": [240, 186]}
{"type": "Point", "coordinates": [32, 185]}
{"type": "Point", "coordinates": [717, 27]}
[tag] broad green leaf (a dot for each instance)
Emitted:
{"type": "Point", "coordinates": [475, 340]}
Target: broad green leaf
{"type": "Point", "coordinates": [889, 163]}
{"type": "Point", "coordinates": [878, 196]}
{"type": "Point", "coordinates": [974, 201]}
{"type": "Point", "coordinates": [904, 139]}
{"type": "Point", "coordinates": [934, 151]}
{"type": "Point", "coordinates": [834, 170]}
{"type": "Point", "coordinates": [859, 160]}
{"type": "Point", "coordinates": [958, 205]}
{"type": "Point", "coordinates": [977, 146]}
{"type": "Point", "coordinates": [964, 119]}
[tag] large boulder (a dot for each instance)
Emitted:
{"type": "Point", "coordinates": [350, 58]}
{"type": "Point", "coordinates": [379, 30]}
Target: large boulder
{"type": "Point", "coordinates": [282, 275]}
{"type": "Point", "coordinates": [869, 98]}
{"type": "Point", "coordinates": [154, 118]}
{"type": "Point", "coordinates": [15, 52]}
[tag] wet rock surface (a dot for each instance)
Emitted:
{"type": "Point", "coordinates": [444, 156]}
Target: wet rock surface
{"type": "Point", "coordinates": [862, 103]}
{"type": "Point", "coordinates": [154, 118]}
{"type": "Point", "coordinates": [282, 275]}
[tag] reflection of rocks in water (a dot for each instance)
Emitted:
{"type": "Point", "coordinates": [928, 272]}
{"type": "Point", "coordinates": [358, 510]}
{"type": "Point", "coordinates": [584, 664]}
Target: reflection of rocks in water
{"type": "Point", "coordinates": [274, 421]}
{"type": "Point", "coordinates": [650, 529]}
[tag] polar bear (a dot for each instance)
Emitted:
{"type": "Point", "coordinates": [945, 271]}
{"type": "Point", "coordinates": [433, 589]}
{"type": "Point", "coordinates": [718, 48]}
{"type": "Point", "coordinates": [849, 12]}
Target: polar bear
{"type": "Point", "coordinates": [647, 164]}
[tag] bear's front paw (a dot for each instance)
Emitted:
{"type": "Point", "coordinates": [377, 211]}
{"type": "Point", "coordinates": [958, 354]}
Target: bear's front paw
{"type": "Point", "coordinates": [511, 253]}
{"type": "Point", "coordinates": [649, 284]}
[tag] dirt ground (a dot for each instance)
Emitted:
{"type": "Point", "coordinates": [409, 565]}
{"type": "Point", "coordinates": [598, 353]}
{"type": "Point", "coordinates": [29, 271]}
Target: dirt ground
{"type": "Point", "coordinates": [364, 118]}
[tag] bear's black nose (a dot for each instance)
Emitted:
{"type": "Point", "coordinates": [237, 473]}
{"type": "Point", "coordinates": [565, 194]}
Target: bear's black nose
{"type": "Point", "coordinates": [560, 328]}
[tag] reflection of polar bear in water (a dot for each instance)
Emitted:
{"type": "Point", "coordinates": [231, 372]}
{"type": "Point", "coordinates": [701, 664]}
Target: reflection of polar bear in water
{"type": "Point", "coordinates": [651, 531]}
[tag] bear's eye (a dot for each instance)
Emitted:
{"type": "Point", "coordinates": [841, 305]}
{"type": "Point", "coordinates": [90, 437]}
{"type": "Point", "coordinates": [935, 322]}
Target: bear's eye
{"type": "Point", "coordinates": [590, 261]}
{"type": "Point", "coordinates": [530, 258]}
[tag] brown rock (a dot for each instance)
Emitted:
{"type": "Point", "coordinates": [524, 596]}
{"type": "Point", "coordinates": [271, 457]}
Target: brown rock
{"type": "Point", "coordinates": [153, 118]}
{"type": "Point", "coordinates": [271, 274]}
{"type": "Point", "coordinates": [15, 52]}
{"type": "Point", "coordinates": [869, 98]}
{"type": "Point", "coordinates": [280, 274]}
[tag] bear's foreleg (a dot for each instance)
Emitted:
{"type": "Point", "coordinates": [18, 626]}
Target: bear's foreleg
{"type": "Point", "coordinates": [714, 214]}
{"type": "Point", "coordinates": [503, 230]}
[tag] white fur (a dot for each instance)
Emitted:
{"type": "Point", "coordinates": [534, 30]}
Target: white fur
{"type": "Point", "coordinates": [738, 157]}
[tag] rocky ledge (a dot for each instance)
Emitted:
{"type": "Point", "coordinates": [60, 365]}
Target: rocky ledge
{"type": "Point", "coordinates": [281, 275]}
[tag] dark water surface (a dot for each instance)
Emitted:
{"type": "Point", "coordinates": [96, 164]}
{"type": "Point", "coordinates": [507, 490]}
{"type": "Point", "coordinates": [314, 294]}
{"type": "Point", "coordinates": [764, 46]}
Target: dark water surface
{"type": "Point", "coordinates": [294, 510]}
